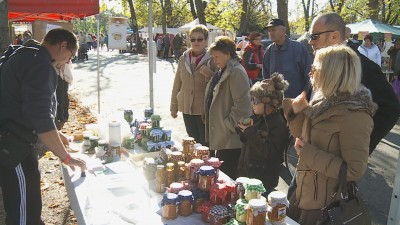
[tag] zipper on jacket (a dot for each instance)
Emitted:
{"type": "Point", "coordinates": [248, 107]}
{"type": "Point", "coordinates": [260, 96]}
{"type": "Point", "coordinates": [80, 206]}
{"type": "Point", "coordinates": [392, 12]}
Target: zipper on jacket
{"type": "Point", "coordinates": [315, 181]}
{"type": "Point", "coordinates": [351, 219]}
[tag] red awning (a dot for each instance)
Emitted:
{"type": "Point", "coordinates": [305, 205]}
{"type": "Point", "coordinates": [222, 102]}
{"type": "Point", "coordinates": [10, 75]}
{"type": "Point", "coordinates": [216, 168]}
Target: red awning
{"type": "Point", "coordinates": [51, 10]}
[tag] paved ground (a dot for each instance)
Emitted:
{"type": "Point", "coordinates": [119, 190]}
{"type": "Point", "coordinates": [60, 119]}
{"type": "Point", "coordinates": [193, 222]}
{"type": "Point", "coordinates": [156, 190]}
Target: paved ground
{"type": "Point", "coordinates": [124, 84]}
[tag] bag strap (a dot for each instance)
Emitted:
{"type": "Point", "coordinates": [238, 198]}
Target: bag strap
{"type": "Point", "coordinates": [342, 182]}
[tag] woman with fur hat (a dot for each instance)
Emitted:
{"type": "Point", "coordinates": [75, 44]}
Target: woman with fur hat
{"type": "Point", "coordinates": [265, 135]}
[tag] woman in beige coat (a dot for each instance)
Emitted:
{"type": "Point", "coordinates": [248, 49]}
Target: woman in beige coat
{"type": "Point", "coordinates": [335, 126]}
{"type": "Point", "coordinates": [227, 101]}
{"type": "Point", "coordinates": [193, 73]}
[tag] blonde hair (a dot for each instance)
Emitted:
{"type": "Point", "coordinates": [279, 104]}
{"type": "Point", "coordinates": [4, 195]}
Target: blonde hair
{"type": "Point", "coordinates": [339, 70]}
{"type": "Point", "coordinates": [200, 29]}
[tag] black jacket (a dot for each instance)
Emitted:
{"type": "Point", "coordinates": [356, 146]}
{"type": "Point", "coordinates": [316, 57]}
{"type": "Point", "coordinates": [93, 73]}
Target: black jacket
{"type": "Point", "coordinates": [263, 147]}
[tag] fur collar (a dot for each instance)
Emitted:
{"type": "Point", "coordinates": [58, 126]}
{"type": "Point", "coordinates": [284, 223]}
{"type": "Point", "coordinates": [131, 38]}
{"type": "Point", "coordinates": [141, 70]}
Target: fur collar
{"type": "Point", "coordinates": [361, 99]}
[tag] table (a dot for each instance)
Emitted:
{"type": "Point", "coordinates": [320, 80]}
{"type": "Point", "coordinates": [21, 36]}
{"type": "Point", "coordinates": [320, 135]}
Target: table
{"type": "Point", "coordinates": [118, 194]}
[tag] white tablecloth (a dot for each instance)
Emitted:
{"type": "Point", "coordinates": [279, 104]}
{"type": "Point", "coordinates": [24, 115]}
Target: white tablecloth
{"type": "Point", "coordinates": [118, 194]}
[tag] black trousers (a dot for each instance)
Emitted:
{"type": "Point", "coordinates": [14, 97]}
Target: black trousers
{"type": "Point", "coordinates": [21, 192]}
{"type": "Point", "coordinates": [195, 128]}
{"type": "Point", "coordinates": [231, 161]}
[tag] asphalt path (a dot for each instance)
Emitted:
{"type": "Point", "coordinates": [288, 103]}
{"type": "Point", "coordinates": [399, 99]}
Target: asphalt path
{"type": "Point", "coordinates": [124, 84]}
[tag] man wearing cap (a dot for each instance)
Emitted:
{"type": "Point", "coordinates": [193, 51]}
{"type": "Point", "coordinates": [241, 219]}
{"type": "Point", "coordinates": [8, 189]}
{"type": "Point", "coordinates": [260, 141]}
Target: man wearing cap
{"type": "Point", "coordinates": [287, 57]}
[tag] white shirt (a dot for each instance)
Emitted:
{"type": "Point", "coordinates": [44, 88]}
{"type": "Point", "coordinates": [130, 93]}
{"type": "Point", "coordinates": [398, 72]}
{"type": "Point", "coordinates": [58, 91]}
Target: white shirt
{"type": "Point", "coordinates": [372, 53]}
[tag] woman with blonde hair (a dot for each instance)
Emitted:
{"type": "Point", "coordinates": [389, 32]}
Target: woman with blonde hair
{"type": "Point", "coordinates": [192, 75]}
{"type": "Point", "coordinates": [334, 127]}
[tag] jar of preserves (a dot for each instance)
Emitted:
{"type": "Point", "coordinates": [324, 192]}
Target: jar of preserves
{"type": "Point", "coordinates": [148, 112]}
{"type": "Point", "coordinates": [175, 187]}
{"type": "Point", "coordinates": [199, 197]}
{"type": "Point", "coordinates": [195, 165]}
{"type": "Point", "coordinates": [205, 209]}
{"type": "Point", "coordinates": [231, 192]}
{"type": "Point", "coordinates": [155, 120]}
{"type": "Point", "coordinates": [142, 129]}
{"type": "Point", "coordinates": [203, 153]}
{"type": "Point", "coordinates": [148, 131]}
{"type": "Point", "coordinates": [175, 157]}
{"type": "Point", "coordinates": [180, 171]}
{"type": "Point", "coordinates": [241, 210]}
{"type": "Point", "coordinates": [160, 179]}
{"type": "Point", "coordinates": [218, 215]}
{"type": "Point", "coordinates": [239, 187]}
{"type": "Point", "coordinates": [166, 135]}
{"type": "Point", "coordinates": [170, 174]}
{"type": "Point", "coordinates": [169, 206]}
{"type": "Point", "coordinates": [218, 194]}
{"type": "Point", "coordinates": [253, 189]}
{"type": "Point", "coordinates": [206, 178]}
{"type": "Point", "coordinates": [256, 212]}
{"type": "Point", "coordinates": [278, 203]}
{"type": "Point", "coordinates": [188, 146]}
{"type": "Point", "coordinates": [215, 163]}
{"type": "Point", "coordinates": [185, 199]}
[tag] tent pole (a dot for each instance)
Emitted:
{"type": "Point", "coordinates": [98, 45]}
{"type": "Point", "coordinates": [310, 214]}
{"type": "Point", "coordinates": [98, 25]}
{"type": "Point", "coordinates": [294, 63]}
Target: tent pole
{"type": "Point", "coordinates": [98, 63]}
{"type": "Point", "coordinates": [150, 55]}
{"type": "Point", "coordinates": [394, 211]}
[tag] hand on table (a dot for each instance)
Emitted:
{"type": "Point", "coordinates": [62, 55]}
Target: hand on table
{"type": "Point", "coordinates": [73, 161]}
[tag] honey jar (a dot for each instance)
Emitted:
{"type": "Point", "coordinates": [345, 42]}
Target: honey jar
{"type": "Point", "coordinates": [253, 189]}
{"type": "Point", "coordinates": [185, 199]}
{"type": "Point", "coordinates": [241, 210]}
{"type": "Point", "coordinates": [180, 171]}
{"type": "Point", "coordinates": [170, 174]}
{"type": "Point", "coordinates": [160, 179]}
{"type": "Point", "coordinates": [256, 212]}
{"type": "Point", "coordinates": [278, 203]}
{"type": "Point", "coordinates": [188, 146]}
{"type": "Point", "coordinates": [169, 206]}
{"type": "Point", "coordinates": [218, 215]}
{"type": "Point", "coordinates": [206, 178]}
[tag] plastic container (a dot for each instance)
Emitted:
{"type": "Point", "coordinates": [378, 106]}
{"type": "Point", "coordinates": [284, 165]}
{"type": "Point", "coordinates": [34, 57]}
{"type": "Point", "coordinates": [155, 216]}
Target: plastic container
{"type": "Point", "coordinates": [114, 133]}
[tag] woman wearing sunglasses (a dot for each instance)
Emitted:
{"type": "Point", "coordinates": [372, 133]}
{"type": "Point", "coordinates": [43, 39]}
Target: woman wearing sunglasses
{"type": "Point", "coordinates": [193, 72]}
{"type": "Point", "coordinates": [227, 101]}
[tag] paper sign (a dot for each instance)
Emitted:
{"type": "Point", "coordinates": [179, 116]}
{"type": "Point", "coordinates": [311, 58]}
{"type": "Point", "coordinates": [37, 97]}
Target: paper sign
{"type": "Point", "coordinates": [362, 34]}
{"type": "Point", "coordinates": [117, 33]}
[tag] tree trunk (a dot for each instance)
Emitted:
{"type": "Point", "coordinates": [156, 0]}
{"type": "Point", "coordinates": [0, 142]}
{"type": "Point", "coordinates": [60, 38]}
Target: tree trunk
{"type": "Point", "coordinates": [373, 5]}
{"type": "Point", "coordinates": [135, 26]}
{"type": "Point", "coordinates": [163, 17]}
{"type": "Point", "coordinates": [282, 8]}
{"type": "Point", "coordinates": [200, 12]}
{"type": "Point", "coordinates": [243, 17]}
{"type": "Point", "coordinates": [192, 9]}
{"type": "Point", "coordinates": [168, 12]}
{"type": "Point", "coordinates": [4, 28]}
{"type": "Point", "coordinates": [306, 9]}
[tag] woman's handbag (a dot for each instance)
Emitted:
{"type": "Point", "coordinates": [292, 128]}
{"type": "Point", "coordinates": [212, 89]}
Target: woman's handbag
{"type": "Point", "coordinates": [351, 209]}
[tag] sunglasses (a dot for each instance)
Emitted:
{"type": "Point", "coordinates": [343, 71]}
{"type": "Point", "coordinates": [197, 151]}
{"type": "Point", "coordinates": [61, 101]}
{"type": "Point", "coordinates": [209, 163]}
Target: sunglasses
{"type": "Point", "coordinates": [196, 39]}
{"type": "Point", "coordinates": [316, 35]}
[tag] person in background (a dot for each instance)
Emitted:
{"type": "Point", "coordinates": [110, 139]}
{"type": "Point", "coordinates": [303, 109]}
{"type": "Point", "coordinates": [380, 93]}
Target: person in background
{"type": "Point", "coordinates": [192, 75]}
{"type": "Point", "coordinates": [334, 127]}
{"type": "Point", "coordinates": [106, 41]}
{"type": "Point", "coordinates": [253, 57]}
{"type": "Point", "coordinates": [167, 45]}
{"type": "Point", "coordinates": [265, 135]}
{"type": "Point", "coordinates": [159, 46]}
{"type": "Point", "coordinates": [18, 40]}
{"type": "Point", "coordinates": [243, 44]}
{"type": "Point", "coordinates": [371, 50]}
{"type": "Point", "coordinates": [101, 41]}
{"type": "Point", "coordinates": [393, 53]}
{"type": "Point", "coordinates": [32, 104]}
{"type": "Point", "coordinates": [353, 44]}
{"type": "Point", "coordinates": [287, 57]}
{"type": "Point", "coordinates": [177, 43]}
{"type": "Point", "coordinates": [227, 101]}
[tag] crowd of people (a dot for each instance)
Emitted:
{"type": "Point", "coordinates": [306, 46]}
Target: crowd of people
{"type": "Point", "coordinates": [336, 105]}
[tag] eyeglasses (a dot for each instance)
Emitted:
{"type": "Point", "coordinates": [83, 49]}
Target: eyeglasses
{"type": "Point", "coordinates": [196, 39]}
{"type": "Point", "coordinates": [316, 35]}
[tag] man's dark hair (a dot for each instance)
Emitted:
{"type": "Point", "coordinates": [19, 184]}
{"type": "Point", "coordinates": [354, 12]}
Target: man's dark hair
{"type": "Point", "coordinates": [334, 21]}
{"type": "Point", "coordinates": [59, 35]}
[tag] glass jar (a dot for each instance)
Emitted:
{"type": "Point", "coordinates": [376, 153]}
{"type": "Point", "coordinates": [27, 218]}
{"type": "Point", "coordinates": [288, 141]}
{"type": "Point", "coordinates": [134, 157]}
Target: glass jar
{"type": "Point", "coordinates": [240, 209]}
{"type": "Point", "coordinates": [205, 209]}
{"type": "Point", "coordinates": [180, 171]}
{"type": "Point", "coordinates": [149, 168]}
{"type": "Point", "coordinates": [94, 141]}
{"type": "Point", "coordinates": [175, 187]}
{"type": "Point", "coordinates": [218, 215]}
{"type": "Point", "coordinates": [148, 131]}
{"type": "Point", "coordinates": [254, 189]}
{"type": "Point", "coordinates": [155, 120]}
{"type": "Point", "coordinates": [195, 165]}
{"type": "Point", "coordinates": [256, 212]}
{"type": "Point", "coordinates": [199, 197]}
{"type": "Point", "coordinates": [239, 187]}
{"type": "Point", "coordinates": [169, 206]}
{"type": "Point", "coordinates": [206, 178]}
{"type": "Point", "coordinates": [170, 174]}
{"type": "Point", "coordinates": [148, 112]}
{"type": "Point", "coordinates": [203, 153]}
{"type": "Point", "coordinates": [116, 152]}
{"type": "Point", "coordinates": [160, 179]}
{"type": "Point", "coordinates": [128, 116]}
{"type": "Point", "coordinates": [231, 192]}
{"type": "Point", "coordinates": [175, 157]}
{"type": "Point", "coordinates": [86, 138]}
{"type": "Point", "coordinates": [142, 129]}
{"type": "Point", "coordinates": [218, 193]}
{"type": "Point", "coordinates": [187, 146]}
{"type": "Point", "coordinates": [185, 199]}
{"type": "Point", "coordinates": [166, 136]}
{"type": "Point", "coordinates": [278, 203]}
{"type": "Point", "coordinates": [214, 162]}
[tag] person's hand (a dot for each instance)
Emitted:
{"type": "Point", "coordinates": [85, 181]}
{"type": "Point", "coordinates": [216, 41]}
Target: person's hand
{"type": "Point", "coordinates": [72, 162]}
{"type": "Point", "coordinates": [64, 139]}
{"type": "Point", "coordinates": [242, 126]}
{"type": "Point", "coordinates": [298, 145]}
{"type": "Point", "coordinates": [299, 103]}
{"type": "Point", "coordinates": [174, 114]}
{"type": "Point", "coordinates": [205, 71]}
{"type": "Point", "coordinates": [259, 66]}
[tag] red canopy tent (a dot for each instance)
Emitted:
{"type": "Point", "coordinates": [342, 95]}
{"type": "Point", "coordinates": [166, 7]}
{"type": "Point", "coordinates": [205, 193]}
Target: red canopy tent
{"type": "Point", "coordinates": [50, 10]}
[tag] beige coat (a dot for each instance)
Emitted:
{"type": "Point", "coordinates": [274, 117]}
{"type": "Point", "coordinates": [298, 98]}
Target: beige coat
{"type": "Point", "coordinates": [231, 102]}
{"type": "Point", "coordinates": [188, 90]}
{"type": "Point", "coordinates": [341, 133]}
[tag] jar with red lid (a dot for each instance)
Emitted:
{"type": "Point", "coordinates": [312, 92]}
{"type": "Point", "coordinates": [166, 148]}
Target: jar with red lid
{"type": "Point", "coordinates": [231, 192]}
{"type": "Point", "coordinates": [185, 199]}
{"type": "Point", "coordinates": [175, 187]}
{"type": "Point", "coordinates": [218, 194]}
{"type": "Point", "coordinates": [204, 209]}
{"type": "Point", "coordinates": [218, 215]}
{"type": "Point", "coordinates": [169, 206]}
{"type": "Point", "coordinates": [206, 178]}
{"type": "Point", "coordinates": [215, 163]}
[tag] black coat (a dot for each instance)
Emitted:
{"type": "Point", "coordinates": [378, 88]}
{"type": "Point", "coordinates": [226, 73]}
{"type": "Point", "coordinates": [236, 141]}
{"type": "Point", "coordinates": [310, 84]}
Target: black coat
{"type": "Point", "coordinates": [62, 103]}
{"type": "Point", "coordinates": [263, 147]}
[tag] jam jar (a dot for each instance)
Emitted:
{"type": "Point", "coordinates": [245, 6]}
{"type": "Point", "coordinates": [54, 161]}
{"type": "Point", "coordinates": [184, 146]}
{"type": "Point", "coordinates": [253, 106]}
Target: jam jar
{"type": "Point", "coordinates": [206, 178]}
{"type": "Point", "coordinates": [160, 179]}
{"type": "Point", "coordinates": [185, 199]}
{"type": "Point", "coordinates": [278, 203]}
{"type": "Point", "coordinates": [199, 197]}
{"type": "Point", "coordinates": [256, 212]}
{"type": "Point", "coordinates": [218, 215]}
{"type": "Point", "coordinates": [241, 210]}
{"type": "Point", "coordinates": [169, 206]}
{"type": "Point", "coordinates": [254, 189]}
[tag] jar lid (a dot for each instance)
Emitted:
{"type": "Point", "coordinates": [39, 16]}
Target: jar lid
{"type": "Point", "coordinates": [102, 142]}
{"type": "Point", "coordinates": [196, 162]}
{"type": "Point", "coordinates": [255, 185]}
{"type": "Point", "coordinates": [187, 139]}
{"type": "Point", "coordinates": [155, 117]}
{"type": "Point", "coordinates": [94, 138]}
{"type": "Point", "coordinates": [148, 110]}
{"type": "Point", "coordinates": [181, 163]}
{"type": "Point", "coordinates": [277, 197]}
{"type": "Point", "coordinates": [151, 144]}
{"type": "Point", "coordinates": [242, 180]}
{"type": "Point", "coordinates": [241, 206]}
{"type": "Point", "coordinates": [166, 130]}
{"type": "Point", "coordinates": [203, 148]}
{"type": "Point", "coordinates": [197, 193]}
{"type": "Point", "coordinates": [176, 185]}
{"type": "Point", "coordinates": [233, 221]}
{"type": "Point", "coordinates": [176, 153]}
{"type": "Point", "coordinates": [219, 211]}
{"type": "Point", "coordinates": [143, 126]}
{"type": "Point", "coordinates": [149, 127]}
{"type": "Point", "coordinates": [169, 198]}
{"type": "Point", "coordinates": [206, 171]}
{"type": "Point", "coordinates": [257, 206]}
{"type": "Point", "coordinates": [185, 195]}
{"type": "Point", "coordinates": [160, 167]}
{"type": "Point", "coordinates": [114, 124]}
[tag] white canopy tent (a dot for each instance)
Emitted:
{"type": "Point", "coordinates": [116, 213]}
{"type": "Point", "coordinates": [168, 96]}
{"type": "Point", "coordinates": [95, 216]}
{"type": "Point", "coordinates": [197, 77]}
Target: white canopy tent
{"type": "Point", "coordinates": [195, 22]}
{"type": "Point", "coordinates": [158, 30]}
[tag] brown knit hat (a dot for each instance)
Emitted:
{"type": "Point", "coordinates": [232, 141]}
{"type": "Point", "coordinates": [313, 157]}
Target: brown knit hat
{"type": "Point", "coordinates": [270, 91]}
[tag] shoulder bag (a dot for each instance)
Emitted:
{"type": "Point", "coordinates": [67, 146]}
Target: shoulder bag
{"type": "Point", "coordinates": [351, 209]}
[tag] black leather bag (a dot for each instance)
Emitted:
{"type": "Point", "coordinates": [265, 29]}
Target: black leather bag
{"type": "Point", "coordinates": [351, 209]}
{"type": "Point", "coordinates": [16, 143]}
